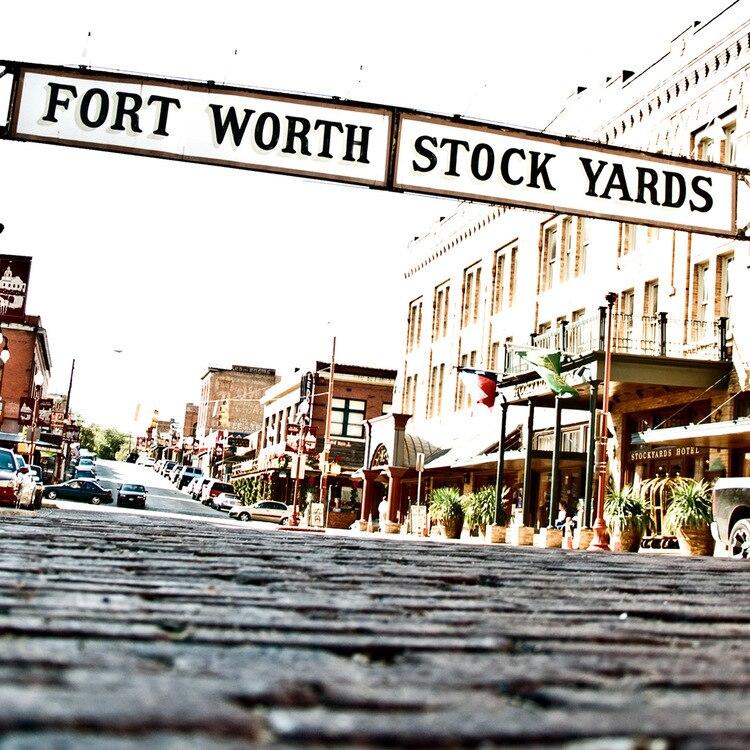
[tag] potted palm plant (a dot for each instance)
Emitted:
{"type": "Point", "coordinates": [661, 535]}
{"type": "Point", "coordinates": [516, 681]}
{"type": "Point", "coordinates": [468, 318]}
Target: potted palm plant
{"type": "Point", "coordinates": [446, 509]}
{"type": "Point", "coordinates": [689, 516]}
{"type": "Point", "coordinates": [479, 509]}
{"type": "Point", "coordinates": [628, 516]}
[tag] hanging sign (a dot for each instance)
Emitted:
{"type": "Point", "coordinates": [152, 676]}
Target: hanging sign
{"type": "Point", "coordinates": [367, 144]}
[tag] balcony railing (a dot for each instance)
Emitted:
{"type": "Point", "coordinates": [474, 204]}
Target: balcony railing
{"type": "Point", "coordinates": [647, 335]}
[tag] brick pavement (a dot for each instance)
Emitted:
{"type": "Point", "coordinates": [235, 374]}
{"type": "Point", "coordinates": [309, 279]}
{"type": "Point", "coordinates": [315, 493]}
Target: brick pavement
{"type": "Point", "coordinates": [124, 631]}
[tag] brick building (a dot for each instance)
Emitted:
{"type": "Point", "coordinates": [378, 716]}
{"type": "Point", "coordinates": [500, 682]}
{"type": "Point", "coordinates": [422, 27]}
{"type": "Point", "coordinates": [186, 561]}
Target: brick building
{"type": "Point", "coordinates": [487, 279]}
{"type": "Point", "coordinates": [230, 403]}
{"type": "Point", "coordinates": [359, 394]}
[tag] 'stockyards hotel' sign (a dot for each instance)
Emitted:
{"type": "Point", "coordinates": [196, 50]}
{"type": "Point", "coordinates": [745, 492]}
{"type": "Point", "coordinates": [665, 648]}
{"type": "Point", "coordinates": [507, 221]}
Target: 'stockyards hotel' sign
{"type": "Point", "coordinates": [370, 145]}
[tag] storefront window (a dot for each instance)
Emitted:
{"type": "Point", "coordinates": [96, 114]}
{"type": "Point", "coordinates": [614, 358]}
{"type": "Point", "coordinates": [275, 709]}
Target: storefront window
{"type": "Point", "coordinates": [348, 418]}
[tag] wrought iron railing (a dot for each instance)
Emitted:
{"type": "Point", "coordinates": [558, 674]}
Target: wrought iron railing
{"type": "Point", "coordinates": [646, 335]}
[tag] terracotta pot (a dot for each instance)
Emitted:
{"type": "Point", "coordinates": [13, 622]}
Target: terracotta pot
{"type": "Point", "coordinates": [695, 541]}
{"type": "Point", "coordinates": [391, 527]}
{"type": "Point", "coordinates": [630, 539]}
{"type": "Point", "coordinates": [341, 519]}
{"type": "Point", "coordinates": [452, 527]}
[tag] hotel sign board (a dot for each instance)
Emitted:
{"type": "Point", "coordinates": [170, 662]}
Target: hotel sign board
{"type": "Point", "coordinates": [366, 144]}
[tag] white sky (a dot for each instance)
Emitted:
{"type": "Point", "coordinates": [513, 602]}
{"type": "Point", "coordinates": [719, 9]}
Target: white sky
{"type": "Point", "coordinates": [185, 265]}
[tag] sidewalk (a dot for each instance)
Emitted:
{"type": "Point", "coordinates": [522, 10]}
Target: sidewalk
{"type": "Point", "coordinates": [121, 631]}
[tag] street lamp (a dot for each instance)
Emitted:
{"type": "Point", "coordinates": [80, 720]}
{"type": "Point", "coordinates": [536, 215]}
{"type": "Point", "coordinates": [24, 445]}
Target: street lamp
{"type": "Point", "coordinates": [4, 357]}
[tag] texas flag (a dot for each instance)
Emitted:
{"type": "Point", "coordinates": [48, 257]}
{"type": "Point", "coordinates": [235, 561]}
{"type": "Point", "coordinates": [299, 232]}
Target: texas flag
{"type": "Point", "coordinates": [480, 384]}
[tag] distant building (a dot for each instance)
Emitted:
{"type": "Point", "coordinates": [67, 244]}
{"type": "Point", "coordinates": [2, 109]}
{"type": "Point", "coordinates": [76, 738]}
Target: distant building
{"type": "Point", "coordinates": [190, 421]}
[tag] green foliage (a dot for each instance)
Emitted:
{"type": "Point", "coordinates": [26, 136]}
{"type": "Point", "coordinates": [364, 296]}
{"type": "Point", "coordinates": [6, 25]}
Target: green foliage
{"type": "Point", "coordinates": [689, 505]}
{"type": "Point", "coordinates": [626, 508]}
{"type": "Point", "coordinates": [106, 442]}
{"type": "Point", "coordinates": [479, 507]}
{"type": "Point", "coordinates": [445, 503]}
{"type": "Point", "coordinates": [252, 489]}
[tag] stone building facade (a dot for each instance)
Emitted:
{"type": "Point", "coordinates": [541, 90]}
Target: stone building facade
{"type": "Point", "coordinates": [487, 279]}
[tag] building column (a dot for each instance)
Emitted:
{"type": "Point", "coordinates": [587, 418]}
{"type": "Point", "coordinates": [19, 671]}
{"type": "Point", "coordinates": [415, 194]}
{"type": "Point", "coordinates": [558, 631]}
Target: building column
{"type": "Point", "coordinates": [368, 493]}
{"type": "Point", "coordinates": [590, 456]}
{"type": "Point", "coordinates": [554, 491]}
{"type": "Point", "coordinates": [526, 507]}
{"type": "Point", "coordinates": [395, 474]}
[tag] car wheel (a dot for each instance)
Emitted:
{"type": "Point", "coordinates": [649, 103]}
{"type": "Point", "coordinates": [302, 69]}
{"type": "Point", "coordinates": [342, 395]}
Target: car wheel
{"type": "Point", "coordinates": [95, 500]}
{"type": "Point", "coordinates": [244, 516]}
{"type": "Point", "coordinates": [284, 521]}
{"type": "Point", "coordinates": [51, 494]}
{"type": "Point", "coordinates": [739, 540]}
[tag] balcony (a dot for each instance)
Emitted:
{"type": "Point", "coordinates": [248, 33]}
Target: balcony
{"type": "Point", "coordinates": [650, 336]}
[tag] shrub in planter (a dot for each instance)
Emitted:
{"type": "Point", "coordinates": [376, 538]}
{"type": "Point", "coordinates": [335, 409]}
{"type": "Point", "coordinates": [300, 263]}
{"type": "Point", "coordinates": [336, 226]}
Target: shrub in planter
{"type": "Point", "coordinates": [479, 508]}
{"type": "Point", "coordinates": [689, 516]}
{"type": "Point", "coordinates": [628, 516]}
{"type": "Point", "coordinates": [446, 509]}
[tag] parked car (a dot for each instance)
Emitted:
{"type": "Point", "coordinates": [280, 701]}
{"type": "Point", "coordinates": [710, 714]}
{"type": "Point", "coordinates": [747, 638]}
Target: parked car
{"type": "Point", "coordinates": [225, 501]}
{"type": "Point", "coordinates": [79, 489]}
{"type": "Point", "coordinates": [166, 467]}
{"type": "Point", "coordinates": [158, 464]}
{"type": "Point", "coordinates": [186, 475]}
{"type": "Point", "coordinates": [196, 485]}
{"type": "Point", "coordinates": [212, 489]}
{"type": "Point", "coordinates": [731, 508]}
{"type": "Point", "coordinates": [133, 495]}
{"type": "Point", "coordinates": [17, 488]}
{"type": "Point", "coordinates": [174, 472]}
{"type": "Point", "coordinates": [145, 460]}
{"type": "Point", "coordinates": [84, 473]}
{"type": "Point", "coordinates": [265, 510]}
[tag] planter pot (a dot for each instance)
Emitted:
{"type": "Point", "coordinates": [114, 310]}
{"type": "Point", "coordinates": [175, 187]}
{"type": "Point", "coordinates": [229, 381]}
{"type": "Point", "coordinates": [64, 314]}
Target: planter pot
{"type": "Point", "coordinates": [391, 527]}
{"type": "Point", "coordinates": [695, 541]}
{"type": "Point", "coordinates": [497, 534]}
{"type": "Point", "coordinates": [341, 519]}
{"type": "Point", "coordinates": [629, 539]}
{"type": "Point", "coordinates": [452, 527]}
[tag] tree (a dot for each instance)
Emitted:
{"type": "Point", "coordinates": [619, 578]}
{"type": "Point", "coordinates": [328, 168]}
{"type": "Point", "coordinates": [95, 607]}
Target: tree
{"type": "Point", "coordinates": [104, 441]}
{"type": "Point", "coordinates": [88, 437]}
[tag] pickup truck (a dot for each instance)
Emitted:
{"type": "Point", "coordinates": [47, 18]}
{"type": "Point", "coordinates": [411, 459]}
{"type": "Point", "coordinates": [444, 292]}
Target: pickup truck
{"type": "Point", "coordinates": [731, 507]}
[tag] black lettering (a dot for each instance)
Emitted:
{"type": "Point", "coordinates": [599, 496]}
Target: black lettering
{"type": "Point", "coordinates": [647, 179]}
{"type": "Point", "coordinates": [670, 200]}
{"type": "Point", "coordinates": [101, 116]}
{"type": "Point", "coordinates": [328, 126]}
{"type": "Point", "coordinates": [504, 165]}
{"type": "Point", "coordinates": [489, 158]}
{"type": "Point", "coordinates": [55, 101]}
{"type": "Point", "coordinates": [617, 181]}
{"type": "Point", "coordinates": [299, 128]}
{"type": "Point", "coordinates": [351, 142]}
{"type": "Point", "coordinates": [454, 144]}
{"type": "Point", "coordinates": [422, 151]}
{"type": "Point", "coordinates": [260, 127]}
{"type": "Point", "coordinates": [122, 111]}
{"type": "Point", "coordinates": [708, 200]}
{"type": "Point", "coordinates": [230, 121]}
{"type": "Point", "coordinates": [540, 170]}
{"type": "Point", "coordinates": [591, 175]}
{"type": "Point", "coordinates": [164, 103]}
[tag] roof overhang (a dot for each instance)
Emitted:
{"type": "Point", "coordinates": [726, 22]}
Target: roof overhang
{"type": "Point", "coordinates": [731, 434]}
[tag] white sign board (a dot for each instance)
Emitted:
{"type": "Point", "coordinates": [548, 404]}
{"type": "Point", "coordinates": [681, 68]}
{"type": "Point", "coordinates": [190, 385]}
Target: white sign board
{"type": "Point", "coordinates": [370, 145]}
{"type": "Point", "coordinates": [254, 131]}
{"type": "Point", "coordinates": [505, 166]}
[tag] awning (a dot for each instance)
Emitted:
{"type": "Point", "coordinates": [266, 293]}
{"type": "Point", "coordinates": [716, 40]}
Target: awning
{"type": "Point", "coordinates": [731, 434]}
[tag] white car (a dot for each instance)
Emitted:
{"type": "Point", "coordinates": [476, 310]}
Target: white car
{"type": "Point", "coordinates": [265, 510]}
{"type": "Point", "coordinates": [225, 501]}
{"type": "Point", "coordinates": [144, 460]}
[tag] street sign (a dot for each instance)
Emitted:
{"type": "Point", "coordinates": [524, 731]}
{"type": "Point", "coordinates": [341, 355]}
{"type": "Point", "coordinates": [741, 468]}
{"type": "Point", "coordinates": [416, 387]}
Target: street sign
{"type": "Point", "coordinates": [238, 442]}
{"type": "Point", "coordinates": [371, 145]}
{"type": "Point", "coordinates": [26, 410]}
{"type": "Point", "coordinates": [71, 433]}
{"type": "Point", "coordinates": [44, 412]}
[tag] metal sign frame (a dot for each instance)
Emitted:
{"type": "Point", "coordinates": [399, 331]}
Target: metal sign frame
{"type": "Point", "coordinates": [396, 118]}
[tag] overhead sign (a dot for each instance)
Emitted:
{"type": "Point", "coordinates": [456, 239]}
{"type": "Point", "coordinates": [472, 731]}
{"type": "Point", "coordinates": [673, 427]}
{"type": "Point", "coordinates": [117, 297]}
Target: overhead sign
{"type": "Point", "coordinates": [666, 452]}
{"type": "Point", "coordinates": [15, 271]}
{"type": "Point", "coordinates": [369, 145]}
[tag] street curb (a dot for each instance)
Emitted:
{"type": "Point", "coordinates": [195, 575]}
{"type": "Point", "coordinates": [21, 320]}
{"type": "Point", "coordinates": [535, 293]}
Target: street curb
{"type": "Point", "coordinates": [50, 505]}
{"type": "Point", "coordinates": [11, 512]}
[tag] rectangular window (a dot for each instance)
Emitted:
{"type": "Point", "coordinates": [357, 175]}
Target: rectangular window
{"type": "Point", "coordinates": [461, 392]}
{"type": "Point", "coordinates": [728, 147]}
{"type": "Point", "coordinates": [348, 417]}
{"type": "Point", "coordinates": [441, 376]}
{"type": "Point", "coordinates": [651, 298]}
{"type": "Point", "coordinates": [512, 276]}
{"type": "Point", "coordinates": [583, 253]}
{"type": "Point", "coordinates": [568, 261]}
{"type": "Point", "coordinates": [431, 391]}
{"type": "Point", "coordinates": [544, 327]}
{"type": "Point", "coordinates": [627, 238]}
{"type": "Point", "coordinates": [495, 356]}
{"type": "Point", "coordinates": [498, 281]}
{"type": "Point", "coordinates": [701, 292]}
{"type": "Point", "coordinates": [625, 327]}
{"type": "Point", "coordinates": [414, 325]}
{"type": "Point", "coordinates": [578, 314]}
{"type": "Point", "coordinates": [472, 290]}
{"type": "Point", "coordinates": [440, 302]}
{"type": "Point", "coordinates": [549, 255]}
{"type": "Point", "coordinates": [413, 400]}
{"type": "Point", "coordinates": [725, 291]}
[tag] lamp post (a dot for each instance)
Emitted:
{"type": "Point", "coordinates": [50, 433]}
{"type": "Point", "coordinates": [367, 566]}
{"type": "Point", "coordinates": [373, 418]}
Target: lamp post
{"type": "Point", "coordinates": [600, 542]}
{"type": "Point", "coordinates": [327, 438]}
{"type": "Point", "coordinates": [4, 357]}
{"type": "Point", "coordinates": [38, 383]}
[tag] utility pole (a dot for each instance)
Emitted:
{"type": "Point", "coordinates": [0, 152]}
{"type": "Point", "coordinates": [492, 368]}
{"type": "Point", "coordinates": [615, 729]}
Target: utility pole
{"type": "Point", "coordinates": [327, 439]}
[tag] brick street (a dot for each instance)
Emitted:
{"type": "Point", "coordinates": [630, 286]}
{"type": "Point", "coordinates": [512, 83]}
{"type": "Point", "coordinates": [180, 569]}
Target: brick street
{"type": "Point", "coordinates": [121, 631]}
